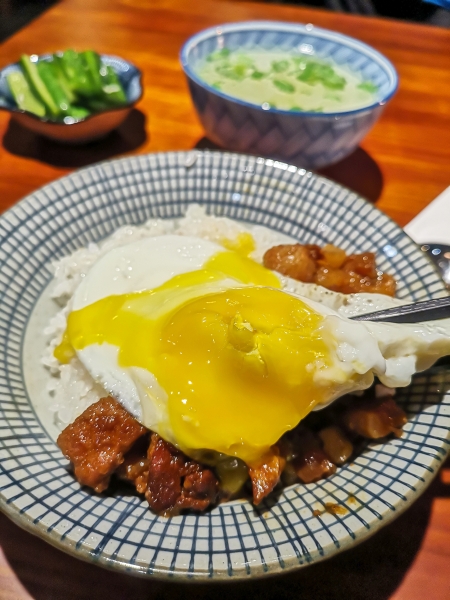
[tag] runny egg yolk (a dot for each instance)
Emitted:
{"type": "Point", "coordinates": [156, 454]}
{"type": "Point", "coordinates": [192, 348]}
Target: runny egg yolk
{"type": "Point", "coordinates": [237, 364]}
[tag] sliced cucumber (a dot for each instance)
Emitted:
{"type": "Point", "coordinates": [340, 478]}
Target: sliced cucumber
{"type": "Point", "coordinates": [23, 94]}
{"type": "Point", "coordinates": [31, 72]}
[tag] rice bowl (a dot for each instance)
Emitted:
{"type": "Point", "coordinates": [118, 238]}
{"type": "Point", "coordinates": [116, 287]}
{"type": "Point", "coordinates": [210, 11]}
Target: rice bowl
{"type": "Point", "coordinates": [303, 206]}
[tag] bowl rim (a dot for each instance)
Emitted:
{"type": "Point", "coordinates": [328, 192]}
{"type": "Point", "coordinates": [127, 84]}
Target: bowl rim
{"type": "Point", "coordinates": [287, 27]}
{"type": "Point", "coordinates": [51, 122]}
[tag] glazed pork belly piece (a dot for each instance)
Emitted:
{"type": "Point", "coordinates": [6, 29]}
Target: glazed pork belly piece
{"type": "Point", "coordinates": [105, 439]}
{"type": "Point", "coordinates": [134, 468]}
{"type": "Point", "coordinates": [95, 443]}
{"type": "Point", "coordinates": [306, 458]}
{"type": "Point", "coordinates": [330, 267]}
{"type": "Point", "coordinates": [265, 476]}
{"type": "Point", "coordinates": [175, 482]}
{"type": "Point", "coordinates": [375, 418]}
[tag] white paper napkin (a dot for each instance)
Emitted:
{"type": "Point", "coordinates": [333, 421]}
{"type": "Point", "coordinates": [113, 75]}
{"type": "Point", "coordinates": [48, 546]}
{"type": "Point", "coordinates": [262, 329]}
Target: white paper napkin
{"type": "Point", "coordinates": [432, 225]}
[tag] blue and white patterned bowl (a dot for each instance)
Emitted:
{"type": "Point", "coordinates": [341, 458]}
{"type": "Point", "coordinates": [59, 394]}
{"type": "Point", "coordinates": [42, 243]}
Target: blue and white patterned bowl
{"type": "Point", "coordinates": [90, 128]}
{"type": "Point", "coordinates": [234, 540]}
{"type": "Point", "coordinates": [312, 139]}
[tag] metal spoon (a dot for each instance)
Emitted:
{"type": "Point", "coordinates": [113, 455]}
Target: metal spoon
{"type": "Point", "coordinates": [428, 310]}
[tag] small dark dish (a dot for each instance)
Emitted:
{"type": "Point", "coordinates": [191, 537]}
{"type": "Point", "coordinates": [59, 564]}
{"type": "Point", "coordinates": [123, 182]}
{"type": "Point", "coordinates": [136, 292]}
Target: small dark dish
{"type": "Point", "coordinates": [82, 130]}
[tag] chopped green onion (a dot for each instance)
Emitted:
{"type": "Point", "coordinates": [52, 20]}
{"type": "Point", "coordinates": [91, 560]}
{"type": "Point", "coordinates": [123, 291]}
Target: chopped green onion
{"type": "Point", "coordinates": [258, 75]}
{"type": "Point", "coordinates": [237, 71]}
{"type": "Point", "coordinates": [316, 72]}
{"type": "Point", "coordinates": [223, 53]}
{"type": "Point", "coordinates": [279, 66]}
{"type": "Point", "coordinates": [368, 86]}
{"type": "Point", "coordinates": [284, 86]}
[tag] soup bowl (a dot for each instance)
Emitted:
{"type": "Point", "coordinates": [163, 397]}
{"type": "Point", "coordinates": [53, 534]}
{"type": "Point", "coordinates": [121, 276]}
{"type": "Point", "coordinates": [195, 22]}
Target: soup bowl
{"type": "Point", "coordinates": [310, 139]}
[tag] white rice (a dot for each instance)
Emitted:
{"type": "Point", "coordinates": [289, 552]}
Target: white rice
{"type": "Point", "coordinates": [71, 388]}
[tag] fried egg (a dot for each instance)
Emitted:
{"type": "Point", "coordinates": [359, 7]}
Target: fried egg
{"type": "Point", "coordinates": [204, 346]}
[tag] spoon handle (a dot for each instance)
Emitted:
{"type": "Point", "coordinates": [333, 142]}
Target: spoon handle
{"type": "Point", "coordinates": [429, 310]}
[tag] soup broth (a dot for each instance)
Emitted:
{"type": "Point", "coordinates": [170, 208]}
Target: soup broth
{"type": "Point", "coordinates": [287, 81]}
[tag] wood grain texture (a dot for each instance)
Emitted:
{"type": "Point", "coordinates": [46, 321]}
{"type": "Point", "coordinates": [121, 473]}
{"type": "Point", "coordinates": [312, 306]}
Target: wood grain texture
{"type": "Point", "coordinates": [401, 166]}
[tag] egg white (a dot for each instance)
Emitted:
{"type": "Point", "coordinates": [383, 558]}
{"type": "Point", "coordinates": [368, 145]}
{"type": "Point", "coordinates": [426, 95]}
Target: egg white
{"type": "Point", "coordinates": [142, 265]}
{"type": "Point", "coordinates": [359, 350]}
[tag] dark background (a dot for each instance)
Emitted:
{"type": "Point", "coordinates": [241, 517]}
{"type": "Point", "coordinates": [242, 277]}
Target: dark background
{"type": "Point", "coordinates": [14, 14]}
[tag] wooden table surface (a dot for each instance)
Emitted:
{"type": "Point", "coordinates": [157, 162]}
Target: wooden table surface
{"type": "Point", "coordinates": [401, 166]}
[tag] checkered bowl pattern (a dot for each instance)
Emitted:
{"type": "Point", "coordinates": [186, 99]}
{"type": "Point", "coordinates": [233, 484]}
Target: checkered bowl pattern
{"type": "Point", "coordinates": [311, 140]}
{"type": "Point", "coordinates": [234, 540]}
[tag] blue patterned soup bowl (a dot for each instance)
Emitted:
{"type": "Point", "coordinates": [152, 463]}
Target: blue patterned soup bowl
{"type": "Point", "coordinates": [310, 137]}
